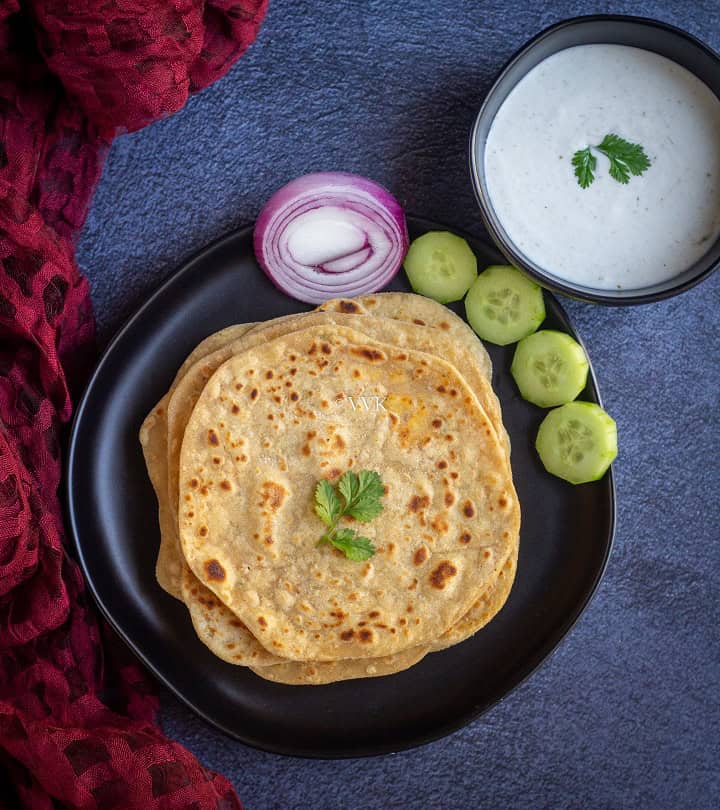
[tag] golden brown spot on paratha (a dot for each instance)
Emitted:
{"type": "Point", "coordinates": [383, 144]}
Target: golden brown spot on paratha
{"type": "Point", "coordinates": [437, 423]}
{"type": "Point", "coordinates": [441, 389]}
{"type": "Point", "coordinates": [420, 555]}
{"type": "Point", "coordinates": [325, 348]}
{"type": "Point", "coordinates": [188, 497]}
{"type": "Point", "coordinates": [191, 514]}
{"type": "Point", "coordinates": [216, 460]}
{"type": "Point", "coordinates": [409, 609]}
{"type": "Point", "coordinates": [306, 449]}
{"type": "Point", "coordinates": [272, 495]}
{"type": "Point", "coordinates": [262, 621]}
{"type": "Point", "coordinates": [439, 524]}
{"type": "Point", "coordinates": [277, 399]}
{"type": "Point", "coordinates": [313, 348]}
{"type": "Point", "coordinates": [230, 646]}
{"type": "Point", "coordinates": [269, 375]}
{"type": "Point", "coordinates": [468, 509]}
{"type": "Point", "coordinates": [236, 623]}
{"type": "Point", "coordinates": [413, 585]}
{"type": "Point", "coordinates": [346, 635]}
{"type": "Point", "coordinates": [348, 307]}
{"type": "Point", "coordinates": [442, 574]}
{"type": "Point", "coordinates": [214, 571]}
{"type": "Point", "coordinates": [465, 538]}
{"type": "Point", "coordinates": [204, 491]}
{"type": "Point", "coordinates": [238, 386]}
{"type": "Point", "coordinates": [268, 540]}
{"type": "Point", "coordinates": [449, 499]}
{"type": "Point", "coordinates": [444, 325]}
{"type": "Point", "coordinates": [226, 485]}
{"type": "Point", "coordinates": [202, 531]}
{"type": "Point", "coordinates": [213, 438]}
{"type": "Point", "coordinates": [486, 554]}
{"type": "Point", "coordinates": [386, 489]}
{"type": "Point", "coordinates": [294, 396]}
{"type": "Point", "coordinates": [419, 322]}
{"type": "Point", "coordinates": [365, 636]}
{"type": "Point", "coordinates": [453, 392]}
{"type": "Point", "coordinates": [442, 464]}
{"type": "Point", "coordinates": [243, 457]}
{"type": "Point", "coordinates": [453, 475]}
{"type": "Point", "coordinates": [254, 393]}
{"type": "Point", "coordinates": [449, 437]}
{"type": "Point", "coordinates": [418, 502]}
{"type": "Point", "coordinates": [502, 502]}
{"type": "Point", "coordinates": [270, 417]}
{"type": "Point", "coordinates": [373, 355]}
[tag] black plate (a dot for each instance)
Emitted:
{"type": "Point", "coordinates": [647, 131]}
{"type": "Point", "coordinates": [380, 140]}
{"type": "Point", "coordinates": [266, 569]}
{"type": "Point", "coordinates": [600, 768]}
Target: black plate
{"type": "Point", "coordinates": [566, 538]}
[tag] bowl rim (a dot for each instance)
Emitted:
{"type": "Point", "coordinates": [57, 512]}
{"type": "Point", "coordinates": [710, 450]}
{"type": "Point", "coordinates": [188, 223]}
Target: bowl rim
{"type": "Point", "coordinates": [506, 246]}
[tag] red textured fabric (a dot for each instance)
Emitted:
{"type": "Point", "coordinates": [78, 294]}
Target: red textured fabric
{"type": "Point", "coordinates": [76, 717]}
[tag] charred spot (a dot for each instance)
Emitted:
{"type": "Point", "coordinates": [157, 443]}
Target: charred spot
{"type": "Point", "coordinates": [442, 464]}
{"type": "Point", "coordinates": [194, 483]}
{"type": "Point", "coordinates": [202, 531]}
{"type": "Point", "coordinates": [235, 408]}
{"type": "Point", "coordinates": [254, 393]}
{"type": "Point", "coordinates": [348, 307]}
{"type": "Point", "coordinates": [213, 438]}
{"type": "Point", "coordinates": [294, 396]}
{"type": "Point", "coordinates": [346, 635]}
{"type": "Point", "coordinates": [272, 495]}
{"type": "Point", "coordinates": [269, 375]}
{"type": "Point", "coordinates": [449, 499]}
{"type": "Point", "coordinates": [313, 348]}
{"type": "Point", "coordinates": [453, 392]}
{"type": "Point", "coordinates": [418, 502]}
{"type": "Point", "coordinates": [225, 485]}
{"type": "Point", "coordinates": [420, 555]}
{"type": "Point", "coordinates": [465, 538]}
{"type": "Point", "coordinates": [441, 389]}
{"type": "Point", "coordinates": [325, 348]}
{"type": "Point", "coordinates": [442, 574]}
{"type": "Point", "coordinates": [366, 636]}
{"type": "Point", "coordinates": [373, 355]}
{"type": "Point", "coordinates": [214, 571]}
{"type": "Point", "coordinates": [437, 423]}
{"type": "Point", "coordinates": [468, 509]}
{"type": "Point", "coordinates": [419, 322]}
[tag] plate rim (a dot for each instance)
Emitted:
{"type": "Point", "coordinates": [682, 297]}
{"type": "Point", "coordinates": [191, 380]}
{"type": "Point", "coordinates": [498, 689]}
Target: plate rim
{"type": "Point", "coordinates": [541, 655]}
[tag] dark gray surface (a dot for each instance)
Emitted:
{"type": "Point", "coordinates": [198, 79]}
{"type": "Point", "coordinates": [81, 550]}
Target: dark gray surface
{"type": "Point", "coordinates": [625, 714]}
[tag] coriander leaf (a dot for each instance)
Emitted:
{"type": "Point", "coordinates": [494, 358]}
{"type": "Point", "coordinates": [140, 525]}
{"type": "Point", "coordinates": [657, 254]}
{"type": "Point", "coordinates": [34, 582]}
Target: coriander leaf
{"type": "Point", "coordinates": [625, 158]}
{"type": "Point", "coordinates": [327, 504]}
{"type": "Point", "coordinates": [367, 504]}
{"type": "Point", "coordinates": [584, 162]}
{"type": "Point", "coordinates": [349, 485]}
{"type": "Point", "coordinates": [354, 547]}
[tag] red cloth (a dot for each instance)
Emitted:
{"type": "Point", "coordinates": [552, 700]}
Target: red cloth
{"type": "Point", "coordinates": [73, 73]}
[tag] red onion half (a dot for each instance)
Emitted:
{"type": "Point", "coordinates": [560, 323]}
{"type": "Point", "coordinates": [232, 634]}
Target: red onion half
{"type": "Point", "coordinates": [330, 235]}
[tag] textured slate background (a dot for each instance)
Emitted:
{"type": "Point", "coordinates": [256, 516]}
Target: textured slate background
{"type": "Point", "coordinates": [625, 714]}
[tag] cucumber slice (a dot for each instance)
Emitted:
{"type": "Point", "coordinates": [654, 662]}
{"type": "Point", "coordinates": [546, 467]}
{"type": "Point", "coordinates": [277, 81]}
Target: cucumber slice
{"type": "Point", "coordinates": [504, 306]}
{"type": "Point", "coordinates": [577, 442]}
{"type": "Point", "coordinates": [550, 368]}
{"type": "Point", "coordinates": [441, 266]}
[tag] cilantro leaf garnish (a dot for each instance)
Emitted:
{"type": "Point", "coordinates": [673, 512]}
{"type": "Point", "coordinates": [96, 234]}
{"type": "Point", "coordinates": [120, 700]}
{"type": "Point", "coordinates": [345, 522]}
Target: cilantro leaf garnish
{"type": "Point", "coordinates": [361, 499]}
{"type": "Point", "coordinates": [626, 159]}
{"type": "Point", "coordinates": [584, 162]}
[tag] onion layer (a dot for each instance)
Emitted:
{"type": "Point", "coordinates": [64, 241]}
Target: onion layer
{"type": "Point", "coordinates": [329, 235]}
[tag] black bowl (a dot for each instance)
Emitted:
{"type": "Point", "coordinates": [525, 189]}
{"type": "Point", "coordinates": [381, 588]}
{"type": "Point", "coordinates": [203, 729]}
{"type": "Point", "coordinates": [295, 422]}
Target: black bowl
{"type": "Point", "coordinates": [638, 32]}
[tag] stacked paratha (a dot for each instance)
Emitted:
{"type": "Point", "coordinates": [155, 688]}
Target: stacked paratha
{"type": "Point", "coordinates": [259, 413]}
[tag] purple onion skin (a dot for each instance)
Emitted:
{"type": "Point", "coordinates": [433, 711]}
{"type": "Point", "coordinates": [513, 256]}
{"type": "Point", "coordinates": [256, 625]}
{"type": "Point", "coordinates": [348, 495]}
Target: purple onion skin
{"type": "Point", "coordinates": [368, 195]}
